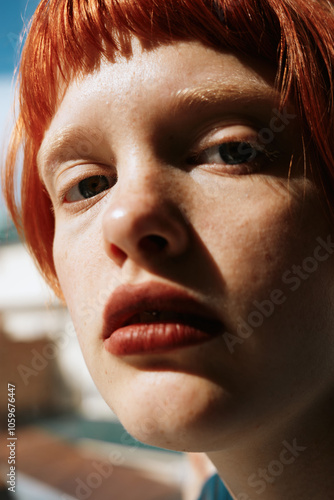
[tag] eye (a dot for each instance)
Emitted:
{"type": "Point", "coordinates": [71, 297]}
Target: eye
{"type": "Point", "coordinates": [89, 187]}
{"type": "Point", "coordinates": [228, 153]}
{"type": "Point", "coordinates": [235, 153]}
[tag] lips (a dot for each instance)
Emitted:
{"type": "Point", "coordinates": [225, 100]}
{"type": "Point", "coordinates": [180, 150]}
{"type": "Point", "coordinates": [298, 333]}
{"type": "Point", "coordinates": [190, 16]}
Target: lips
{"type": "Point", "coordinates": [154, 317]}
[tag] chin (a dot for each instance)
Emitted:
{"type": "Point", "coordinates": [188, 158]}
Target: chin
{"type": "Point", "coordinates": [176, 411]}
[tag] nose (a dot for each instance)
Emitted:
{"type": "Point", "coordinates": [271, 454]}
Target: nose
{"type": "Point", "coordinates": [144, 224]}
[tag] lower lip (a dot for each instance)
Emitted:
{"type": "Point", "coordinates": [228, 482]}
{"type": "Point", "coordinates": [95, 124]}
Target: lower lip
{"type": "Point", "coordinates": [154, 338]}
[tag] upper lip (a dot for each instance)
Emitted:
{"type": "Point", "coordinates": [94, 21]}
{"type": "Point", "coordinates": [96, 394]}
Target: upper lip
{"type": "Point", "coordinates": [129, 300]}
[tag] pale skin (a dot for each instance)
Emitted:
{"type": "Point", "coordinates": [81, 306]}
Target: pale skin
{"type": "Point", "coordinates": [232, 232]}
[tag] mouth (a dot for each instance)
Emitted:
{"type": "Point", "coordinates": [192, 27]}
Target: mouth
{"type": "Point", "coordinates": [149, 317]}
{"type": "Point", "coordinates": [152, 317]}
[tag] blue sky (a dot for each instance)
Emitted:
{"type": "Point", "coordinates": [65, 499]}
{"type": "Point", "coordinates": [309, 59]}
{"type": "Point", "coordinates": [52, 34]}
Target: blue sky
{"type": "Point", "coordinates": [14, 15]}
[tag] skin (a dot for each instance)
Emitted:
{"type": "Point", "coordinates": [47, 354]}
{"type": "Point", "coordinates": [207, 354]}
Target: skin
{"type": "Point", "coordinates": [232, 232]}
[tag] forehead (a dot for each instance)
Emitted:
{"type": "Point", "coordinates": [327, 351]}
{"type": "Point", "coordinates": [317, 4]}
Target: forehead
{"type": "Point", "coordinates": [174, 67]}
{"type": "Point", "coordinates": [170, 77]}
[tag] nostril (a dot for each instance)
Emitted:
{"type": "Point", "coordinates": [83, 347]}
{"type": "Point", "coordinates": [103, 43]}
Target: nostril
{"type": "Point", "coordinates": [117, 252]}
{"type": "Point", "coordinates": [153, 243]}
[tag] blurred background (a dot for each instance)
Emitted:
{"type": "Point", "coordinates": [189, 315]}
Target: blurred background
{"type": "Point", "coordinates": [69, 444]}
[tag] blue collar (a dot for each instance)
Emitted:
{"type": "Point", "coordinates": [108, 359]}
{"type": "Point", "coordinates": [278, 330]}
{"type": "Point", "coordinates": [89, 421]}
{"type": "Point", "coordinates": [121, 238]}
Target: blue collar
{"type": "Point", "coordinates": [214, 489]}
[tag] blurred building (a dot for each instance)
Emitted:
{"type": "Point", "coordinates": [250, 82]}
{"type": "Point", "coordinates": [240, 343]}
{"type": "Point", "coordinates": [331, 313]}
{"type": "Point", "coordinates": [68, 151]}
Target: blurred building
{"type": "Point", "coordinates": [32, 321]}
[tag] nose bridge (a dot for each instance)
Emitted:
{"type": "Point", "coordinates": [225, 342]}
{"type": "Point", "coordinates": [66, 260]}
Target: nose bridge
{"type": "Point", "coordinates": [144, 182]}
{"type": "Point", "coordinates": [143, 218]}
{"type": "Point", "coordinates": [141, 177]}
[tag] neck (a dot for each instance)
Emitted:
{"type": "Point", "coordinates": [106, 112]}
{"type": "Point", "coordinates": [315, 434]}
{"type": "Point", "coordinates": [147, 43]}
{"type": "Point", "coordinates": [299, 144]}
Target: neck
{"type": "Point", "coordinates": [293, 461]}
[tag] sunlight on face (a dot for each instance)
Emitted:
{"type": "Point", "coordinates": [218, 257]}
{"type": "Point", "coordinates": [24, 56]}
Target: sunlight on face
{"type": "Point", "coordinates": [168, 173]}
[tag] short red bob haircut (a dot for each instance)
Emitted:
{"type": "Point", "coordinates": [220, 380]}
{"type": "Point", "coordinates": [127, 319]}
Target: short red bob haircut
{"type": "Point", "coordinates": [68, 38]}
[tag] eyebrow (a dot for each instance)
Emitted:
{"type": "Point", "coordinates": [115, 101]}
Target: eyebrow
{"type": "Point", "coordinates": [218, 92]}
{"type": "Point", "coordinates": [68, 143]}
{"type": "Point", "coordinates": [63, 144]}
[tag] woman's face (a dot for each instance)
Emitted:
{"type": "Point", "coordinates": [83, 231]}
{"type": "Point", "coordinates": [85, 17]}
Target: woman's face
{"type": "Point", "coordinates": [195, 263]}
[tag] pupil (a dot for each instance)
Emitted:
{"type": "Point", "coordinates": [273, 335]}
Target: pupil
{"type": "Point", "coordinates": [93, 185]}
{"type": "Point", "coordinates": [235, 153]}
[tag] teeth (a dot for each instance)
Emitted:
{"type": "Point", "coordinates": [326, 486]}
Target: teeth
{"type": "Point", "coordinates": [155, 316]}
{"type": "Point", "coordinates": [149, 316]}
{"type": "Point", "coordinates": [159, 316]}
{"type": "Point", "coordinates": [174, 317]}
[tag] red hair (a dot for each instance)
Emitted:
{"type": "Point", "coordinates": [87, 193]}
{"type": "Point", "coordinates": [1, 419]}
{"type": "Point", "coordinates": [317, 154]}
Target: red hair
{"type": "Point", "coordinates": [69, 37]}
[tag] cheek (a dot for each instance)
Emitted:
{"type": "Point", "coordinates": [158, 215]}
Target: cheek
{"type": "Point", "coordinates": [87, 277]}
{"type": "Point", "coordinates": [254, 237]}
{"type": "Point", "coordinates": [78, 261]}
{"type": "Point", "coordinates": [71, 267]}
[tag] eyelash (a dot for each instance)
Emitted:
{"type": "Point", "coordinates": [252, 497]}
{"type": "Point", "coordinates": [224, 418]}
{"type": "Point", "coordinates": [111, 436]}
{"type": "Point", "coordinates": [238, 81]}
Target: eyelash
{"type": "Point", "coordinates": [257, 154]}
{"type": "Point", "coordinates": [256, 151]}
{"type": "Point", "coordinates": [98, 178]}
